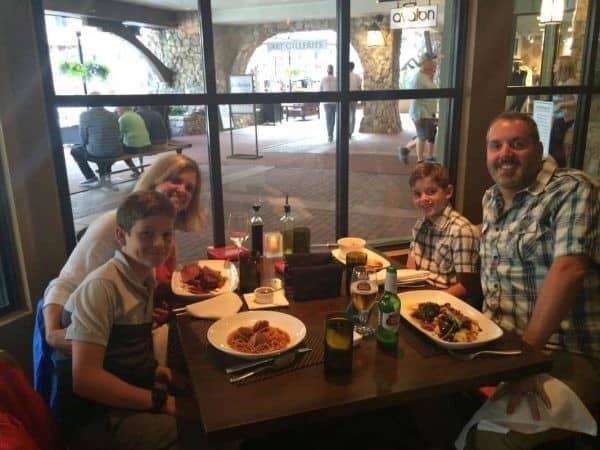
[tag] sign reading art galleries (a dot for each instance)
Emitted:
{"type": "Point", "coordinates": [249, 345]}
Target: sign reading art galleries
{"type": "Point", "coordinates": [296, 45]}
{"type": "Point", "coordinates": [414, 17]}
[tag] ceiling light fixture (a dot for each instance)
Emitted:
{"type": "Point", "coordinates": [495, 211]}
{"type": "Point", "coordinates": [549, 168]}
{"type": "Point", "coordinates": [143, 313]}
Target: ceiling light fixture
{"type": "Point", "coordinates": [551, 12]}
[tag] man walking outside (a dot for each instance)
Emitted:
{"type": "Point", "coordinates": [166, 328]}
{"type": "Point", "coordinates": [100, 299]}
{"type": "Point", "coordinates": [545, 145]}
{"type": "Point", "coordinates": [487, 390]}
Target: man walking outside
{"type": "Point", "coordinates": [355, 85]}
{"type": "Point", "coordinates": [328, 84]}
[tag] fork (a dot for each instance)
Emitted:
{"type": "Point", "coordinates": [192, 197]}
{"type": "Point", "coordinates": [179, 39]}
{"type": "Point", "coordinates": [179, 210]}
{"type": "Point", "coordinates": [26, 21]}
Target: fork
{"type": "Point", "coordinates": [470, 356]}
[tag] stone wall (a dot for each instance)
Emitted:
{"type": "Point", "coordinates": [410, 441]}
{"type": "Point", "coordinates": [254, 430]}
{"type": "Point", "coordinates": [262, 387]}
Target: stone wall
{"type": "Point", "coordinates": [181, 50]}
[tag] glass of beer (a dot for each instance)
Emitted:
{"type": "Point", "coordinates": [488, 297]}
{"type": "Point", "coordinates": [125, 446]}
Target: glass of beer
{"type": "Point", "coordinates": [363, 293]}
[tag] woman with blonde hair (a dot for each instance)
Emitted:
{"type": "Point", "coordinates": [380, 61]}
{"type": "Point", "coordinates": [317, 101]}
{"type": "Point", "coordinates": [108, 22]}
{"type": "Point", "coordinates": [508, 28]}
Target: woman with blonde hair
{"type": "Point", "coordinates": [564, 108]}
{"type": "Point", "coordinates": [175, 176]}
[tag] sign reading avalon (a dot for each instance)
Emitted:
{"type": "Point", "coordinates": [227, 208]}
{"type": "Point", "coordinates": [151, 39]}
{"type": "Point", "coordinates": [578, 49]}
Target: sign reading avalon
{"type": "Point", "coordinates": [413, 17]}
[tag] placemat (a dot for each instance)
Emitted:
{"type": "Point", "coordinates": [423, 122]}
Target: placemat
{"type": "Point", "coordinates": [313, 340]}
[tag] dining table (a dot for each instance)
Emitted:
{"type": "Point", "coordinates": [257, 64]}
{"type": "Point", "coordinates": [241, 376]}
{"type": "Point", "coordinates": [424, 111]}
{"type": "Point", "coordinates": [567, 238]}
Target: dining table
{"type": "Point", "coordinates": [303, 393]}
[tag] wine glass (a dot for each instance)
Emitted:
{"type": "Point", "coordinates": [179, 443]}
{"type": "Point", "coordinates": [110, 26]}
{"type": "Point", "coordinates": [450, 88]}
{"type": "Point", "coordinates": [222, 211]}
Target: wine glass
{"type": "Point", "coordinates": [238, 226]}
{"type": "Point", "coordinates": [363, 292]}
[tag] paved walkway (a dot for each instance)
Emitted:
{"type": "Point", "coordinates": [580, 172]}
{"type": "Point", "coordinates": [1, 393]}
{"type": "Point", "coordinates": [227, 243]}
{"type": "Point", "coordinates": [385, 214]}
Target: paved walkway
{"type": "Point", "coordinates": [298, 160]}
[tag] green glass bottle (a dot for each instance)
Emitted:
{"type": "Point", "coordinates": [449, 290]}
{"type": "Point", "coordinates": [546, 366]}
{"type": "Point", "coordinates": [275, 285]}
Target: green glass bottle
{"type": "Point", "coordinates": [389, 313]}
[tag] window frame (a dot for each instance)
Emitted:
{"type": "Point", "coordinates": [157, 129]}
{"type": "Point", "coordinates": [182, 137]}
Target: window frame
{"type": "Point", "coordinates": [584, 91]}
{"type": "Point", "coordinates": [211, 99]}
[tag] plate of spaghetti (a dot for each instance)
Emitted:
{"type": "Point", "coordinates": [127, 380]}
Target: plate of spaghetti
{"type": "Point", "coordinates": [256, 334]}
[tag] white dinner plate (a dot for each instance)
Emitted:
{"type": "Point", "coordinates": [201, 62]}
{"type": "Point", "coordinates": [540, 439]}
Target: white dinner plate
{"type": "Point", "coordinates": [227, 270]}
{"type": "Point", "coordinates": [410, 299]}
{"type": "Point", "coordinates": [371, 256]}
{"type": "Point", "coordinates": [220, 330]}
{"type": "Point", "coordinates": [223, 305]}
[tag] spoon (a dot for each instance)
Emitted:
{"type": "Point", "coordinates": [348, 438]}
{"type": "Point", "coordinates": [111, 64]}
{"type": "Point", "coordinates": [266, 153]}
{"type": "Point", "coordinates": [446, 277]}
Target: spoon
{"type": "Point", "coordinates": [278, 363]}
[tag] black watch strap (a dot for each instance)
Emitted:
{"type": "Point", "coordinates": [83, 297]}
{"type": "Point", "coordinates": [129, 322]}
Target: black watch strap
{"type": "Point", "coordinates": [159, 398]}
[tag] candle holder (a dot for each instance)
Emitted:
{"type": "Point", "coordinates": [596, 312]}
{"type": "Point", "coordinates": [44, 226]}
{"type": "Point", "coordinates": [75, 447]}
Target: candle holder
{"type": "Point", "coordinates": [273, 244]}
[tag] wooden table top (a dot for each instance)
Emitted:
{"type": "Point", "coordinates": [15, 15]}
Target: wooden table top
{"type": "Point", "coordinates": [418, 370]}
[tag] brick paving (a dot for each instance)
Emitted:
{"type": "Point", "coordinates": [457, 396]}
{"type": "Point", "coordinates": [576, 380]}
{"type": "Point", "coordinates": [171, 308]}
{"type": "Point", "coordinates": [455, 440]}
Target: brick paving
{"type": "Point", "coordinates": [298, 160]}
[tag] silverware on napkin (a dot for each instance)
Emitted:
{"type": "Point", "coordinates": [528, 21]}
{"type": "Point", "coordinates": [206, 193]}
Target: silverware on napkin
{"type": "Point", "coordinates": [279, 362]}
{"type": "Point", "coordinates": [249, 365]}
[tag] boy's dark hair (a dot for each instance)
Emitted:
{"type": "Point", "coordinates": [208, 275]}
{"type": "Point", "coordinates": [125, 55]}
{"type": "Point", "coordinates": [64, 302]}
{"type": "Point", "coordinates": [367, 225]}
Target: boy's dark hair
{"type": "Point", "coordinates": [140, 205]}
{"type": "Point", "coordinates": [516, 116]}
{"type": "Point", "coordinates": [437, 172]}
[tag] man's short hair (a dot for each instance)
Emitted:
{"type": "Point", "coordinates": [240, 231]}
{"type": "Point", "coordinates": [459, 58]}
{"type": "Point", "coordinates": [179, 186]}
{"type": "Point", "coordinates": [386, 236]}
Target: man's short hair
{"type": "Point", "coordinates": [140, 205]}
{"type": "Point", "coordinates": [437, 172]}
{"type": "Point", "coordinates": [515, 116]}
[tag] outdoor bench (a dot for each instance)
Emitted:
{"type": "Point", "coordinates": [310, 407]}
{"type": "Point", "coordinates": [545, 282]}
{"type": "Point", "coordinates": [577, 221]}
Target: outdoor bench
{"type": "Point", "coordinates": [103, 163]}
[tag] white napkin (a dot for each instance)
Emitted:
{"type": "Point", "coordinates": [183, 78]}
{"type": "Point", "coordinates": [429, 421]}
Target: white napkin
{"type": "Point", "coordinates": [567, 413]}
{"type": "Point", "coordinates": [404, 276]}
{"type": "Point", "coordinates": [223, 305]}
{"type": "Point", "coordinates": [356, 338]}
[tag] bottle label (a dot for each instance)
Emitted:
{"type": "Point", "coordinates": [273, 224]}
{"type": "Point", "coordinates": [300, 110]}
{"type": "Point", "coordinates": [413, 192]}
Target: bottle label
{"type": "Point", "coordinates": [390, 321]}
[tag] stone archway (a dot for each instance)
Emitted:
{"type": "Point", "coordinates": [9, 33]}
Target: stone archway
{"type": "Point", "coordinates": [235, 45]}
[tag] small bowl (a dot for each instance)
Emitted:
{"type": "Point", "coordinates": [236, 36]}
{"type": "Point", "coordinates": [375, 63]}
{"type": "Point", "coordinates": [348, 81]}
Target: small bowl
{"type": "Point", "coordinates": [350, 244]}
{"type": "Point", "coordinates": [263, 294]}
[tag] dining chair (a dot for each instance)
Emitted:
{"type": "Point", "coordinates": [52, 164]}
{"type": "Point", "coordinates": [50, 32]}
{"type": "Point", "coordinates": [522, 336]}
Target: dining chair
{"type": "Point", "coordinates": [44, 376]}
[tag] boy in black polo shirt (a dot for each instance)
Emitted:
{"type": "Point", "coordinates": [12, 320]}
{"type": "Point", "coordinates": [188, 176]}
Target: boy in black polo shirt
{"type": "Point", "coordinates": [117, 403]}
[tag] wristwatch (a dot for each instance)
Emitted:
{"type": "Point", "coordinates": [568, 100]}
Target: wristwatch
{"type": "Point", "coordinates": [159, 398]}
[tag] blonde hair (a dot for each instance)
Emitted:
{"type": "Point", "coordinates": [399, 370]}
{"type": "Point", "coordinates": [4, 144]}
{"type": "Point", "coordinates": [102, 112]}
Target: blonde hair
{"type": "Point", "coordinates": [566, 68]}
{"type": "Point", "coordinates": [190, 219]}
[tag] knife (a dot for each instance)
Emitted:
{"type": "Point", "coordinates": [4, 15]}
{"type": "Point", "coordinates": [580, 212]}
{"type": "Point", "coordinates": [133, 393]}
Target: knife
{"type": "Point", "coordinates": [260, 362]}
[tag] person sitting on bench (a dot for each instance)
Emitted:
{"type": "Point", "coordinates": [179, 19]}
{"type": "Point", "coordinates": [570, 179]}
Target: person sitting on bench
{"type": "Point", "coordinates": [100, 137]}
{"type": "Point", "coordinates": [156, 128]}
{"type": "Point", "coordinates": [134, 135]}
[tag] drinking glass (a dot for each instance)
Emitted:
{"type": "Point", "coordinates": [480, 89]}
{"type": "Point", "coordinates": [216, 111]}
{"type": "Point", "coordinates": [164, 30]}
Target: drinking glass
{"type": "Point", "coordinates": [238, 227]}
{"type": "Point", "coordinates": [363, 293]}
{"type": "Point", "coordinates": [338, 343]}
{"type": "Point", "coordinates": [353, 259]}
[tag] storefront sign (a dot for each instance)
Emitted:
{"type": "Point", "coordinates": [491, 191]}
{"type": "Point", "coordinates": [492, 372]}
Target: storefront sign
{"type": "Point", "coordinates": [414, 17]}
{"type": "Point", "coordinates": [296, 45]}
{"type": "Point", "coordinates": [241, 84]}
{"type": "Point", "coordinates": [542, 115]}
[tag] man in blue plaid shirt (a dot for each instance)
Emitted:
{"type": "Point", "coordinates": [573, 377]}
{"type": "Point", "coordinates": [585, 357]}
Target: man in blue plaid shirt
{"type": "Point", "coordinates": [540, 257]}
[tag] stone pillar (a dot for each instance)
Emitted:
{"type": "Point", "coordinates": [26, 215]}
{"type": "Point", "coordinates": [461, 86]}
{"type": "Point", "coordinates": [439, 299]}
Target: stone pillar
{"type": "Point", "coordinates": [380, 116]}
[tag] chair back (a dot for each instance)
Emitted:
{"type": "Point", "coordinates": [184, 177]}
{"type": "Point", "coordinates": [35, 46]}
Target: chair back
{"type": "Point", "coordinates": [44, 376]}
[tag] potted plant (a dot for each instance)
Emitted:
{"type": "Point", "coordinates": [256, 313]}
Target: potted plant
{"type": "Point", "coordinates": [86, 71]}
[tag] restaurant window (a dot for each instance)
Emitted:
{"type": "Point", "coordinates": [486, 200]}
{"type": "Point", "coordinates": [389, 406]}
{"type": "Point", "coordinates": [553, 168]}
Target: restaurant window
{"type": "Point", "coordinates": [8, 262]}
{"type": "Point", "coordinates": [277, 140]}
{"type": "Point", "coordinates": [551, 57]}
{"type": "Point", "coordinates": [408, 31]}
{"type": "Point", "coordinates": [118, 58]}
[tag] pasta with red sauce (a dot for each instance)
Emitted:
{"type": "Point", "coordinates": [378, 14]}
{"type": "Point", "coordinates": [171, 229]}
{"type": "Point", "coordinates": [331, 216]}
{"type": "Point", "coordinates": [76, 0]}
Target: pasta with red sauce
{"type": "Point", "coordinates": [261, 338]}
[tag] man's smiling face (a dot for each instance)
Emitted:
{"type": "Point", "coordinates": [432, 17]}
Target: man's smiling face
{"type": "Point", "coordinates": [513, 156]}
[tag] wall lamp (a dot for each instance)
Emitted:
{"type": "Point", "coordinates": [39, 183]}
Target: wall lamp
{"type": "Point", "coordinates": [374, 34]}
{"type": "Point", "coordinates": [551, 12]}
